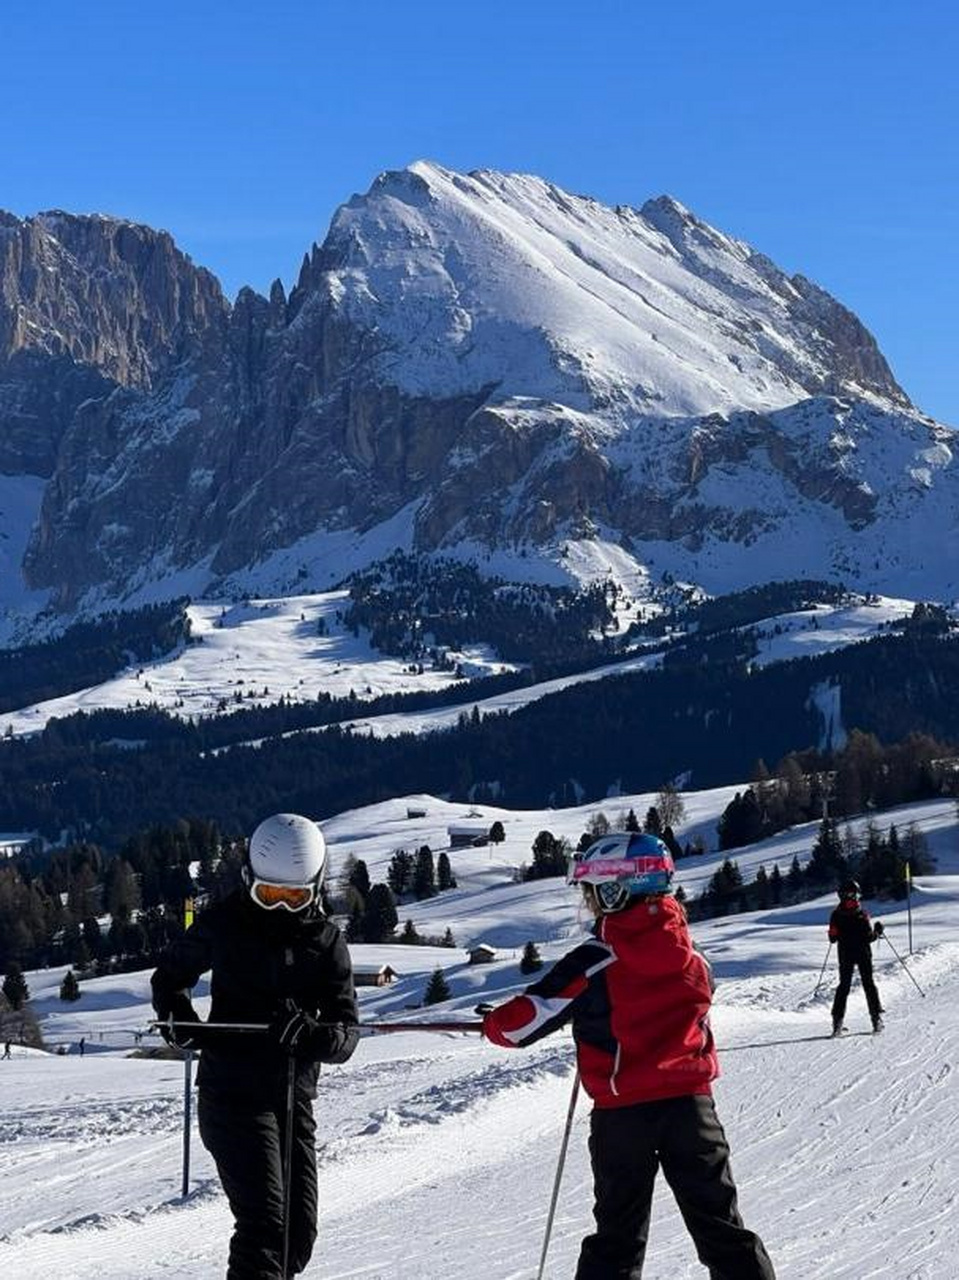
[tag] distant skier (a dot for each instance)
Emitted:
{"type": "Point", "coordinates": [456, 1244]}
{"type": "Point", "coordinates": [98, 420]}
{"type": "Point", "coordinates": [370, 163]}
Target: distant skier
{"type": "Point", "coordinates": [82, 1046]}
{"type": "Point", "coordinates": [852, 931]}
{"type": "Point", "coordinates": [277, 960]}
{"type": "Point", "coordinates": [638, 996]}
{"type": "Point", "coordinates": [6, 1049]}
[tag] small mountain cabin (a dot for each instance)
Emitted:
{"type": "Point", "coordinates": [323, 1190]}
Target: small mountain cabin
{"type": "Point", "coordinates": [373, 975]}
{"type": "Point", "coordinates": [467, 835]}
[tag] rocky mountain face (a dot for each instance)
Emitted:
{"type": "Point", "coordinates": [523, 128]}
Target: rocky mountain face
{"type": "Point", "coordinates": [482, 360]}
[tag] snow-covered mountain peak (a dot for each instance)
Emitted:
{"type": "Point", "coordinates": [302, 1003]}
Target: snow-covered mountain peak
{"type": "Point", "coordinates": [470, 362]}
{"type": "Point", "coordinates": [504, 278]}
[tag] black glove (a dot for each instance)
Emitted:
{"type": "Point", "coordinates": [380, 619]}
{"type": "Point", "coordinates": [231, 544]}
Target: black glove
{"type": "Point", "coordinates": [178, 1036]}
{"type": "Point", "coordinates": [879, 928]}
{"type": "Point", "coordinates": [292, 1028]}
{"type": "Point", "coordinates": [300, 1033]}
{"type": "Point", "coordinates": [483, 1009]}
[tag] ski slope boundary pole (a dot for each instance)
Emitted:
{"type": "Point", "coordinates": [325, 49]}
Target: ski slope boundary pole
{"type": "Point", "coordinates": [906, 967]}
{"type": "Point", "coordinates": [559, 1175]}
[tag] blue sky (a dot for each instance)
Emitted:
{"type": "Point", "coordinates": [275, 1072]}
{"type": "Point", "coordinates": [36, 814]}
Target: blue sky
{"type": "Point", "coordinates": [825, 134]}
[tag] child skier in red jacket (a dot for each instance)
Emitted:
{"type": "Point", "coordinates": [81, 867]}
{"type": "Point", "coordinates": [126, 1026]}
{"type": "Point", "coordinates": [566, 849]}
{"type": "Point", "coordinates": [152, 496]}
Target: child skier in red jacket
{"type": "Point", "coordinates": [638, 996]}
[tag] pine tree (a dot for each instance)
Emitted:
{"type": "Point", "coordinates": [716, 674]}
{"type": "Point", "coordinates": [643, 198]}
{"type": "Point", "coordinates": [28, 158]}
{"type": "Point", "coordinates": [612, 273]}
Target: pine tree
{"type": "Point", "coordinates": [775, 885]}
{"type": "Point", "coordinates": [550, 856]}
{"type": "Point", "coordinates": [359, 878]}
{"type": "Point", "coordinates": [444, 872]}
{"type": "Point", "coordinates": [531, 960]}
{"type": "Point", "coordinates": [448, 940]}
{"type": "Point", "coordinates": [355, 926]}
{"type": "Point", "coordinates": [15, 987]}
{"type": "Point", "coordinates": [380, 918]}
{"type": "Point", "coordinates": [671, 843]}
{"type": "Point", "coordinates": [69, 987]}
{"type": "Point", "coordinates": [915, 849]}
{"type": "Point", "coordinates": [399, 877]}
{"type": "Point", "coordinates": [424, 875]}
{"type": "Point", "coordinates": [873, 866]}
{"type": "Point", "coordinates": [827, 861]}
{"type": "Point", "coordinates": [724, 887]}
{"type": "Point", "coordinates": [437, 989]}
{"type": "Point", "coordinates": [794, 879]}
{"type": "Point", "coordinates": [409, 934]}
{"type": "Point", "coordinates": [123, 890]}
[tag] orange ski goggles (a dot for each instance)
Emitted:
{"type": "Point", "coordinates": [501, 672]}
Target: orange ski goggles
{"type": "Point", "coordinates": [294, 897]}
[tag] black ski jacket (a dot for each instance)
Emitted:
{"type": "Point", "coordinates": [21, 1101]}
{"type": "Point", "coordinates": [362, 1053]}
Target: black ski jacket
{"type": "Point", "coordinates": [259, 959]}
{"type": "Point", "coordinates": [851, 929]}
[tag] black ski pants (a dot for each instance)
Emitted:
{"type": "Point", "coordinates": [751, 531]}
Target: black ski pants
{"type": "Point", "coordinates": [246, 1140]}
{"type": "Point", "coordinates": [849, 961]}
{"type": "Point", "coordinates": [627, 1146]}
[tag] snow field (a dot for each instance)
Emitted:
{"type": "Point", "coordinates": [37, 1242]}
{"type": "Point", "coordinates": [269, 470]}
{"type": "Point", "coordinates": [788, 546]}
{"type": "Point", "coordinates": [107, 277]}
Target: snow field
{"type": "Point", "coordinates": [437, 1152]}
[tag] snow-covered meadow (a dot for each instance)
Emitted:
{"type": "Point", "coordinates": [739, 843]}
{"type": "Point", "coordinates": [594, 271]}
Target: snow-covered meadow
{"type": "Point", "coordinates": [437, 1151]}
{"type": "Point", "coordinates": [261, 650]}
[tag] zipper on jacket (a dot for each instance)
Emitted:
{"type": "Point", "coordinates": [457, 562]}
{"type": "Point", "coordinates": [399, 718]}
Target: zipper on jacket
{"type": "Point", "coordinates": [615, 1071]}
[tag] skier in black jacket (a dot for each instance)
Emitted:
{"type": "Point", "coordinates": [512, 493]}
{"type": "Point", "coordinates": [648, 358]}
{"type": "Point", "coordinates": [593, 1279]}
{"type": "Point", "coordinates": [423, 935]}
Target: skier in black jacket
{"type": "Point", "coordinates": [853, 932]}
{"type": "Point", "coordinates": [274, 959]}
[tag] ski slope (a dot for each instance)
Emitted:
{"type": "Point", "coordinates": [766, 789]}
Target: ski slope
{"type": "Point", "coordinates": [437, 1152]}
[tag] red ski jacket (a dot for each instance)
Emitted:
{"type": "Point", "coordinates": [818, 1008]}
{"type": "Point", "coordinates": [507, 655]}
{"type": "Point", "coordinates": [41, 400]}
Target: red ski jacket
{"type": "Point", "coordinates": [638, 996]}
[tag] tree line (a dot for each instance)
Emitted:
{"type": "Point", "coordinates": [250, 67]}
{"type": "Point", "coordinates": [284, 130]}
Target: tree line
{"type": "Point", "coordinates": [878, 861]}
{"type": "Point", "coordinates": [863, 775]}
{"type": "Point", "coordinates": [88, 653]}
{"type": "Point", "coordinates": [411, 606]}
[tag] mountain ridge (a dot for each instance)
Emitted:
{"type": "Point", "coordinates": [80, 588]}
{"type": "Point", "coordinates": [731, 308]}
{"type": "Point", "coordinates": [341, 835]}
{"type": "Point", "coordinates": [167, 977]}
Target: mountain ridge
{"type": "Point", "coordinates": [477, 364]}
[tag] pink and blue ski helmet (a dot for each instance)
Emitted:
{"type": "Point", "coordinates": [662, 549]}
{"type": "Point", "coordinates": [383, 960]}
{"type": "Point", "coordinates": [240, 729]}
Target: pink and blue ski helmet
{"type": "Point", "coordinates": [623, 865]}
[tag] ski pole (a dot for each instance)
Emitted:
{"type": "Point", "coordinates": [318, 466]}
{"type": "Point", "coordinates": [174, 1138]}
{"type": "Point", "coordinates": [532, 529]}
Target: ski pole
{"type": "Point", "coordinates": [187, 1089]}
{"type": "Point", "coordinates": [382, 1028]}
{"type": "Point", "coordinates": [172, 1025]}
{"type": "Point", "coordinates": [822, 970]}
{"type": "Point", "coordinates": [364, 1028]}
{"type": "Point", "coordinates": [288, 1162]}
{"type": "Point", "coordinates": [905, 966]}
{"type": "Point", "coordinates": [559, 1174]}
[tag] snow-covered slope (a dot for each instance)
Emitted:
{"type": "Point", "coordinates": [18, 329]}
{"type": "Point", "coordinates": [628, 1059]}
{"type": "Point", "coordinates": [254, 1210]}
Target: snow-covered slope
{"type": "Point", "coordinates": [437, 1152]}
{"type": "Point", "coordinates": [257, 652]}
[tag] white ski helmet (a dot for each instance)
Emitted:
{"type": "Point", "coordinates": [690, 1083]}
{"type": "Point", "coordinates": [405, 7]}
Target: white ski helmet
{"type": "Point", "coordinates": [287, 862]}
{"type": "Point", "coordinates": [621, 866]}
